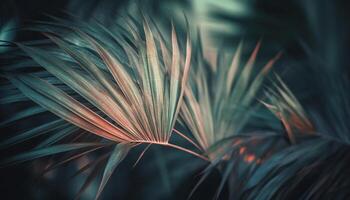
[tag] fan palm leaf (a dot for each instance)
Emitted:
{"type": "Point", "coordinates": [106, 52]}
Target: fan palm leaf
{"type": "Point", "coordinates": [288, 110]}
{"type": "Point", "coordinates": [305, 163]}
{"type": "Point", "coordinates": [220, 99]}
{"type": "Point", "coordinates": [312, 166]}
{"type": "Point", "coordinates": [127, 93]}
{"type": "Point", "coordinates": [219, 103]}
{"type": "Point", "coordinates": [118, 90]}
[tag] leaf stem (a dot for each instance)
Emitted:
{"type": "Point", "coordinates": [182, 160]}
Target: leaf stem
{"type": "Point", "coordinates": [188, 151]}
{"type": "Point", "coordinates": [188, 139]}
{"type": "Point", "coordinates": [173, 146]}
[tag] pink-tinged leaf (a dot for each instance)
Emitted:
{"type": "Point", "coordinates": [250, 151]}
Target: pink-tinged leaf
{"type": "Point", "coordinates": [66, 107]}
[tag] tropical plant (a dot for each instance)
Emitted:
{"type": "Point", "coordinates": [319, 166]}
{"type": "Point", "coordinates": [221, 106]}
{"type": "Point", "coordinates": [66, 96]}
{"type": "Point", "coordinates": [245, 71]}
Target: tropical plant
{"type": "Point", "coordinates": [221, 98]}
{"type": "Point", "coordinates": [94, 89]}
{"type": "Point", "coordinates": [301, 170]}
{"type": "Point", "coordinates": [8, 23]}
{"type": "Point", "coordinates": [125, 98]}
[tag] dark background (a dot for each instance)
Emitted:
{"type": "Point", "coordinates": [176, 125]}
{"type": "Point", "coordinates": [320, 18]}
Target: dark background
{"type": "Point", "coordinates": [281, 24]}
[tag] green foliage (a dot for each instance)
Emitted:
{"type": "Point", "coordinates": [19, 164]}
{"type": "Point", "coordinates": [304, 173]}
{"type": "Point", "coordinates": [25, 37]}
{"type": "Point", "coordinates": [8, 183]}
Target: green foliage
{"type": "Point", "coordinates": [221, 98]}
{"type": "Point", "coordinates": [115, 86]}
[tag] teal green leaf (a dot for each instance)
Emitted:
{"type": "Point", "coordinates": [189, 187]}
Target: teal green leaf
{"type": "Point", "coordinates": [117, 155]}
{"type": "Point", "coordinates": [23, 114]}
{"type": "Point", "coordinates": [37, 131]}
{"type": "Point", "coordinates": [38, 153]}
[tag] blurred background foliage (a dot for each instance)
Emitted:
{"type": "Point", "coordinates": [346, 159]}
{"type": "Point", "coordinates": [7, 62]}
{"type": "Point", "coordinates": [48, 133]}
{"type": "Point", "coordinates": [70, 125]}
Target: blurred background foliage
{"type": "Point", "coordinates": [313, 36]}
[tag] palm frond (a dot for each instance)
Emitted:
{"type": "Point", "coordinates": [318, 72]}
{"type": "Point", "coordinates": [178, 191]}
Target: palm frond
{"type": "Point", "coordinates": [287, 108]}
{"type": "Point", "coordinates": [102, 87]}
{"type": "Point", "coordinates": [220, 99]}
{"type": "Point", "coordinates": [219, 102]}
{"type": "Point", "coordinates": [126, 88]}
{"type": "Point", "coordinates": [141, 94]}
{"type": "Point", "coordinates": [302, 171]}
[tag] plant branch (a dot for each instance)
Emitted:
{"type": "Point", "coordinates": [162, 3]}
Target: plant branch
{"type": "Point", "coordinates": [188, 139]}
{"type": "Point", "coordinates": [173, 146]}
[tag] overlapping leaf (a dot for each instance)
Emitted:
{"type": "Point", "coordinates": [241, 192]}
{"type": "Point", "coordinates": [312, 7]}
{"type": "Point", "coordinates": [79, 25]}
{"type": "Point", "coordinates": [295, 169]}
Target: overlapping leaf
{"type": "Point", "coordinates": [219, 103]}
{"type": "Point", "coordinates": [125, 87]}
{"type": "Point", "coordinates": [288, 109]}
